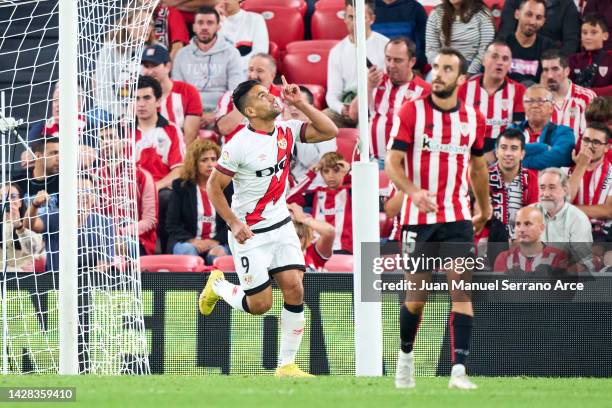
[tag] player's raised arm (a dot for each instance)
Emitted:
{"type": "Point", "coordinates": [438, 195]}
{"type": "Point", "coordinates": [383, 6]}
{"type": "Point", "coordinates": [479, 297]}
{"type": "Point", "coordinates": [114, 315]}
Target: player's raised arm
{"type": "Point", "coordinates": [214, 188]}
{"type": "Point", "coordinates": [320, 128]}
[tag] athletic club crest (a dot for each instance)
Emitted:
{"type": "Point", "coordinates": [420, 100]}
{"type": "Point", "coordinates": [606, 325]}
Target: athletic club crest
{"type": "Point", "coordinates": [505, 104]}
{"type": "Point", "coordinates": [603, 71]}
{"type": "Point", "coordinates": [282, 143]}
{"type": "Point", "coordinates": [464, 128]}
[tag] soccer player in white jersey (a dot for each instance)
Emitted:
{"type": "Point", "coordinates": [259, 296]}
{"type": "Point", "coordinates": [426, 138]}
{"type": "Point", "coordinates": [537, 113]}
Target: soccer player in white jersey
{"type": "Point", "coordinates": [436, 150]}
{"type": "Point", "coordinates": [263, 241]}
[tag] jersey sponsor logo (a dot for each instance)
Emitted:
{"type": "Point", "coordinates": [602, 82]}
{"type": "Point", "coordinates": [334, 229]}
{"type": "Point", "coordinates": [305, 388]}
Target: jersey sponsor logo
{"type": "Point", "coordinates": [267, 172]}
{"type": "Point", "coordinates": [497, 122]}
{"type": "Point", "coordinates": [434, 146]}
{"type": "Point", "coordinates": [525, 67]}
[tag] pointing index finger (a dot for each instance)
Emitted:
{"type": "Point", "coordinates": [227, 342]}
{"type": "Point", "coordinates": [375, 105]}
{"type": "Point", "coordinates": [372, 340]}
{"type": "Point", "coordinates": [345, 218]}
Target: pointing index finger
{"type": "Point", "coordinates": [284, 81]}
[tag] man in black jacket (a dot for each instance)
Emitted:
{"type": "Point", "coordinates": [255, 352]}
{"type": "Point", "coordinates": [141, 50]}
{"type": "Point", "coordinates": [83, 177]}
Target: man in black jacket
{"type": "Point", "coordinates": [562, 23]}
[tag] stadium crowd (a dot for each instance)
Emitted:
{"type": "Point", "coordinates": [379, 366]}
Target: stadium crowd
{"type": "Point", "coordinates": [541, 74]}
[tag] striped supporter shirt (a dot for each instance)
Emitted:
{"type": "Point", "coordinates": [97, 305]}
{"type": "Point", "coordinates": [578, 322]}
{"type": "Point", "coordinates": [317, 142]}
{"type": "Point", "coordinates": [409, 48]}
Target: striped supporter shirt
{"type": "Point", "coordinates": [387, 99]}
{"type": "Point", "coordinates": [570, 112]}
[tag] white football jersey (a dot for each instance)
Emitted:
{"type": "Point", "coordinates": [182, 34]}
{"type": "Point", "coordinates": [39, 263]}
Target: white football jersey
{"type": "Point", "coordinates": [259, 165]}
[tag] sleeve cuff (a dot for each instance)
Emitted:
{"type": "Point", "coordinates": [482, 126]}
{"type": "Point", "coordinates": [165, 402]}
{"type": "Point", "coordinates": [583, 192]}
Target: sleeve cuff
{"type": "Point", "coordinates": [399, 145]}
{"type": "Point", "coordinates": [224, 170]}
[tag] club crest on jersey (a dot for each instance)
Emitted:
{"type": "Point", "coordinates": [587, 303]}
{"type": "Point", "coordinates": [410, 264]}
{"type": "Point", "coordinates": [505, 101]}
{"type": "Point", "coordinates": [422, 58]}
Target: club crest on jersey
{"type": "Point", "coordinates": [282, 143]}
{"type": "Point", "coordinates": [505, 104]}
{"type": "Point", "coordinates": [603, 71]}
{"type": "Point", "coordinates": [464, 128]}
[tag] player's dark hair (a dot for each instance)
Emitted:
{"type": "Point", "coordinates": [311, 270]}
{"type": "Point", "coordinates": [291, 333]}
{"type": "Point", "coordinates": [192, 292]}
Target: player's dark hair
{"type": "Point", "coordinates": [553, 54]}
{"type": "Point", "coordinates": [241, 91]}
{"type": "Point", "coordinates": [595, 20]}
{"type": "Point", "coordinates": [368, 3]}
{"type": "Point", "coordinates": [145, 81]}
{"type": "Point", "coordinates": [209, 10]}
{"type": "Point", "coordinates": [463, 65]}
{"type": "Point", "coordinates": [542, 2]}
{"type": "Point", "coordinates": [599, 110]}
{"type": "Point", "coordinates": [410, 45]}
{"type": "Point", "coordinates": [511, 134]}
{"type": "Point", "coordinates": [601, 127]}
{"type": "Point", "coordinates": [38, 146]}
{"type": "Point", "coordinates": [308, 94]}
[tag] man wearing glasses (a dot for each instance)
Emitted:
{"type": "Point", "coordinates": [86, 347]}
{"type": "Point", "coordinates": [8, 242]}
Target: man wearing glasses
{"type": "Point", "coordinates": [548, 144]}
{"type": "Point", "coordinates": [591, 179]}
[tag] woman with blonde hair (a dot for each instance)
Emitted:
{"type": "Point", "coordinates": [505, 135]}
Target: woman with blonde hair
{"type": "Point", "coordinates": [193, 226]}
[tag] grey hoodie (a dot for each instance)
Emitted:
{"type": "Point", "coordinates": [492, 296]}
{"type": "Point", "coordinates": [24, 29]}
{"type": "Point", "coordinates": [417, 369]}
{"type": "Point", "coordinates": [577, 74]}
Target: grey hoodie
{"type": "Point", "coordinates": [213, 72]}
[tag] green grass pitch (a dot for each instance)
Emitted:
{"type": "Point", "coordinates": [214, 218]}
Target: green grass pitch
{"type": "Point", "coordinates": [325, 391]}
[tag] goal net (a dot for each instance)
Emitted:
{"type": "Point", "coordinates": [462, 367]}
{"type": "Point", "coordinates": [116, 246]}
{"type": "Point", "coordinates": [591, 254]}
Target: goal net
{"type": "Point", "coordinates": [111, 336]}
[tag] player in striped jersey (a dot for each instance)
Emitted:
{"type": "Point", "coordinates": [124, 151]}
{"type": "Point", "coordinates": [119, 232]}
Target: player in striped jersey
{"type": "Point", "coordinates": [180, 101]}
{"type": "Point", "coordinates": [569, 100]}
{"type": "Point", "coordinates": [591, 179]}
{"type": "Point", "coordinates": [388, 90]}
{"type": "Point", "coordinates": [531, 254]}
{"type": "Point", "coordinates": [440, 140]}
{"type": "Point", "coordinates": [499, 98]}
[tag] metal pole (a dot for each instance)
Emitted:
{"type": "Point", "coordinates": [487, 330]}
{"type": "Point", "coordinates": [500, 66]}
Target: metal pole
{"type": "Point", "coordinates": [69, 153]}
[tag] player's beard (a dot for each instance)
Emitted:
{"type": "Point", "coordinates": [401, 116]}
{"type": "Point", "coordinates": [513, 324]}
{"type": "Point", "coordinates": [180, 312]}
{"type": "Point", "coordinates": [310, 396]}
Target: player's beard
{"type": "Point", "coordinates": [446, 92]}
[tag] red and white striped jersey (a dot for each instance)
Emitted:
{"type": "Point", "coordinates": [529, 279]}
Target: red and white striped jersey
{"type": "Point", "coordinates": [160, 149]}
{"type": "Point", "coordinates": [500, 109]}
{"type": "Point", "coordinates": [183, 100]}
{"type": "Point", "coordinates": [438, 145]}
{"type": "Point", "coordinates": [206, 216]}
{"type": "Point", "coordinates": [313, 259]}
{"type": "Point", "coordinates": [571, 110]}
{"type": "Point", "coordinates": [513, 259]}
{"type": "Point", "coordinates": [387, 99]}
{"type": "Point", "coordinates": [334, 207]}
{"type": "Point", "coordinates": [594, 189]}
{"type": "Point", "coordinates": [259, 163]}
{"type": "Point", "coordinates": [396, 231]}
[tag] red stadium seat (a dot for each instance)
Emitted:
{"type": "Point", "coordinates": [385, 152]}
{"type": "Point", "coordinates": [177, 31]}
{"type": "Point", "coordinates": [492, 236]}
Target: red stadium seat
{"type": "Point", "coordinates": [284, 24]}
{"type": "Point", "coordinates": [339, 263]}
{"type": "Point", "coordinates": [346, 143]}
{"type": "Point", "coordinates": [300, 5]}
{"type": "Point", "coordinates": [172, 263]}
{"type": "Point", "coordinates": [306, 67]}
{"type": "Point", "coordinates": [385, 224]}
{"type": "Point", "coordinates": [383, 182]}
{"type": "Point", "coordinates": [328, 24]}
{"type": "Point", "coordinates": [225, 263]}
{"type": "Point", "coordinates": [311, 45]}
{"type": "Point", "coordinates": [275, 53]}
{"type": "Point", "coordinates": [318, 93]}
{"type": "Point", "coordinates": [325, 4]}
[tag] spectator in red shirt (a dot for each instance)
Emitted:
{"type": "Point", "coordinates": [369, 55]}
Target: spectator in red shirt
{"type": "Point", "coordinates": [170, 29]}
{"type": "Point", "coordinates": [193, 226]}
{"type": "Point", "coordinates": [159, 146]}
{"type": "Point", "coordinates": [531, 254]}
{"type": "Point", "coordinates": [317, 249]}
{"type": "Point", "coordinates": [592, 68]}
{"type": "Point", "coordinates": [330, 203]}
{"type": "Point", "coordinates": [180, 101]}
{"type": "Point", "coordinates": [262, 67]}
